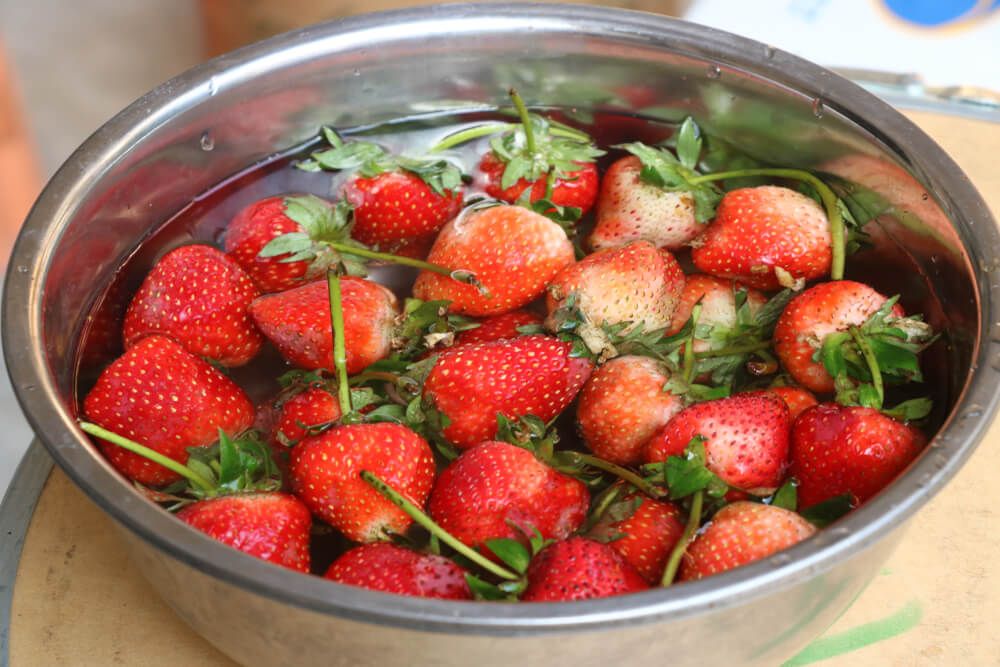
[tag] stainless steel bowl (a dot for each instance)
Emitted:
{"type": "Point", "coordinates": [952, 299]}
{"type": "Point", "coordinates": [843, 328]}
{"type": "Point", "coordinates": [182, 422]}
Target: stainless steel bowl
{"type": "Point", "coordinates": [151, 159]}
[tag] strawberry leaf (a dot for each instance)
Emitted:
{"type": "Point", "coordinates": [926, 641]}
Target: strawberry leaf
{"type": "Point", "coordinates": [911, 410]}
{"type": "Point", "coordinates": [483, 590]}
{"type": "Point", "coordinates": [511, 552]}
{"type": "Point", "coordinates": [786, 497]}
{"type": "Point", "coordinates": [689, 144]}
{"type": "Point", "coordinates": [688, 474]}
{"type": "Point", "coordinates": [826, 512]}
{"type": "Point", "coordinates": [662, 169]}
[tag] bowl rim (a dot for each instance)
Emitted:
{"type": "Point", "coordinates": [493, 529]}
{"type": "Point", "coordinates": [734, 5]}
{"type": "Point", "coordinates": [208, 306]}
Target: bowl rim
{"type": "Point", "coordinates": [859, 531]}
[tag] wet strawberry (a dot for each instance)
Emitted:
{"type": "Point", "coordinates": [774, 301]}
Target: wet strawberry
{"type": "Point", "coordinates": [200, 298]}
{"type": "Point", "coordinates": [644, 531]}
{"type": "Point", "coordinates": [162, 396]}
{"type": "Point", "coordinates": [622, 405]}
{"type": "Point", "coordinates": [390, 568]}
{"type": "Point", "coordinates": [855, 450]}
{"type": "Point", "coordinates": [297, 321]}
{"type": "Point", "coordinates": [515, 252]}
{"type": "Point", "coordinates": [717, 297]}
{"type": "Point", "coordinates": [325, 471]}
{"type": "Point", "coordinates": [271, 526]}
{"type": "Point", "coordinates": [471, 384]}
{"type": "Point", "coordinates": [496, 489]}
{"type": "Point", "coordinates": [740, 533]}
{"type": "Point", "coordinates": [498, 327]}
{"type": "Point", "coordinates": [766, 237]}
{"type": "Point", "coordinates": [579, 569]}
{"type": "Point", "coordinates": [746, 439]}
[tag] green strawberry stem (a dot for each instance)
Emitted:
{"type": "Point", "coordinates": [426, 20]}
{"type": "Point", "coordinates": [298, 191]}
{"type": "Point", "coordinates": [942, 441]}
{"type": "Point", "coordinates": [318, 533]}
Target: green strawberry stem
{"type": "Point", "coordinates": [435, 530]}
{"type": "Point", "coordinates": [689, 354]}
{"type": "Point", "coordinates": [690, 528]}
{"type": "Point", "coordinates": [146, 452]}
{"type": "Point", "coordinates": [622, 473]}
{"type": "Point", "coordinates": [734, 349]}
{"type": "Point", "coordinates": [837, 233]}
{"type": "Point", "coordinates": [339, 345]}
{"type": "Point", "coordinates": [471, 133]}
{"type": "Point", "coordinates": [522, 111]}
{"type": "Point", "coordinates": [461, 275]}
{"type": "Point", "coordinates": [872, 361]}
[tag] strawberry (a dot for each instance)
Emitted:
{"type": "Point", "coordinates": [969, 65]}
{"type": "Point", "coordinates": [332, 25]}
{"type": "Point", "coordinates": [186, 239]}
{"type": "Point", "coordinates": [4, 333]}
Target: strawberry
{"type": "Point", "coordinates": [636, 284]}
{"type": "Point", "coordinates": [397, 200]}
{"type": "Point", "coordinates": [312, 407]}
{"type": "Point", "coordinates": [279, 241]}
{"type": "Point", "coordinates": [272, 526]}
{"type": "Point", "coordinates": [390, 568]}
{"type": "Point", "coordinates": [819, 328]}
{"type": "Point", "coordinates": [579, 569]}
{"type": "Point", "coordinates": [741, 533]}
{"type": "Point", "coordinates": [162, 396]}
{"type": "Point", "coordinates": [498, 327]}
{"type": "Point", "coordinates": [500, 490]}
{"type": "Point", "coordinates": [746, 439]}
{"type": "Point", "coordinates": [766, 237]}
{"type": "Point", "coordinates": [576, 187]}
{"type": "Point", "coordinates": [644, 531]}
{"type": "Point", "coordinates": [629, 209]}
{"type": "Point", "coordinates": [796, 398]}
{"type": "Point", "coordinates": [515, 252]}
{"type": "Point", "coordinates": [325, 469]}
{"type": "Point", "coordinates": [297, 321]}
{"type": "Point", "coordinates": [471, 384]}
{"type": "Point", "coordinates": [549, 163]}
{"type": "Point", "coordinates": [622, 405]}
{"type": "Point", "coordinates": [717, 297]}
{"type": "Point", "coordinates": [198, 297]}
{"type": "Point", "coordinates": [853, 450]}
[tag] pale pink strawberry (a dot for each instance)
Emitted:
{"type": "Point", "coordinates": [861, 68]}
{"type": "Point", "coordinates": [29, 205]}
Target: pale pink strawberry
{"type": "Point", "coordinates": [718, 305]}
{"type": "Point", "coordinates": [622, 405]}
{"type": "Point", "coordinates": [629, 209]}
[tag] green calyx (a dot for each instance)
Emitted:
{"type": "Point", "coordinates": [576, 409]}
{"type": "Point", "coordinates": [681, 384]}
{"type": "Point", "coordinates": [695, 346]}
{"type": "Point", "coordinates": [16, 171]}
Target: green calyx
{"type": "Point", "coordinates": [371, 160]}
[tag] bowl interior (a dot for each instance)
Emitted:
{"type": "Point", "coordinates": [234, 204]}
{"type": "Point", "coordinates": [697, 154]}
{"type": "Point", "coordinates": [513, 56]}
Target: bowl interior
{"type": "Point", "coordinates": [106, 207]}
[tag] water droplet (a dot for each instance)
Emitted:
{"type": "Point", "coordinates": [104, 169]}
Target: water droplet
{"type": "Point", "coordinates": [818, 108]}
{"type": "Point", "coordinates": [22, 268]}
{"type": "Point", "coordinates": [769, 51]}
{"type": "Point", "coordinates": [30, 387]}
{"type": "Point", "coordinates": [940, 461]}
{"type": "Point", "coordinates": [356, 72]}
{"type": "Point", "coordinates": [840, 531]}
{"type": "Point", "coordinates": [213, 86]}
{"type": "Point", "coordinates": [207, 141]}
{"type": "Point", "coordinates": [713, 72]}
{"type": "Point", "coordinates": [780, 559]}
{"type": "Point", "coordinates": [935, 259]}
{"type": "Point", "coordinates": [924, 480]}
{"type": "Point", "coordinates": [973, 412]}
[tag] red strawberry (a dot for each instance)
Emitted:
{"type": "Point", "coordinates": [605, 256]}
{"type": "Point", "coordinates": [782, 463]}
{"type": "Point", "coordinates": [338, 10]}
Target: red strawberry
{"type": "Point", "coordinates": [471, 384]}
{"type": "Point", "coordinates": [824, 309]}
{"type": "Point", "coordinates": [397, 207]}
{"type": "Point", "coordinates": [307, 217]}
{"type": "Point", "coordinates": [199, 297]}
{"type": "Point", "coordinates": [513, 251]}
{"type": "Point", "coordinates": [635, 283]}
{"type": "Point", "coordinates": [390, 568]}
{"type": "Point", "coordinates": [741, 533]}
{"type": "Point", "coordinates": [498, 327]}
{"type": "Point", "coordinates": [162, 396]}
{"type": "Point", "coordinates": [718, 304]}
{"type": "Point", "coordinates": [622, 405]}
{"type": "Point", "coordinates": [325, 471]}
{"type": "Point", "coordinates": [497, 490]}
{"type": "Point", "coordinates": [766, 237]}
{"type": "Point", "coordinates": [312, 407]}
{"type": "Point", "coordinates": [271, 526]}
{"type": "Point", "coordinates": [297, 321]}
{"type": "Point", "coordinates": [746, 439]}
{"type": "Point", "coordinates": [645, 536]}
{"type": "Point", "coordinates": [579, 569]}
{"type": "Point", "coordinates": [577, 188]}
{"type": "Point", "coordinates": [837, 449]}
{"type": "Point", "coordinates": [796, 398]}
{"type": "Point", "coordinates": [629, 209]}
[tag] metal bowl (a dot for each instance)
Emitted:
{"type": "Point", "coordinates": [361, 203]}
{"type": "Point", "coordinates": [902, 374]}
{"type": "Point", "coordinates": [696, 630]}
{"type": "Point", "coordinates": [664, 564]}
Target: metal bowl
{"type": "Point", "coordinates": [115, 191]}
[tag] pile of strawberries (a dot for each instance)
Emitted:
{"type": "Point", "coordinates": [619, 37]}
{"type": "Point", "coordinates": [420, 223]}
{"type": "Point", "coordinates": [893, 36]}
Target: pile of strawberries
{"type": "Point", "coordinates": [600, 382]}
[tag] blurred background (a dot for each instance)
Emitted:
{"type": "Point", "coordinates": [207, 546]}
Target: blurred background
{"type": "Point", "coordinates": [66, 68]}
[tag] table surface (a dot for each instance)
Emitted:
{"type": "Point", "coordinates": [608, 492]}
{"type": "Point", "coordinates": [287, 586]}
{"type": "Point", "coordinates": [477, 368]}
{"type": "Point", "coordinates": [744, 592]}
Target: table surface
{"type": "Point", "coordinates": [78, 600]}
